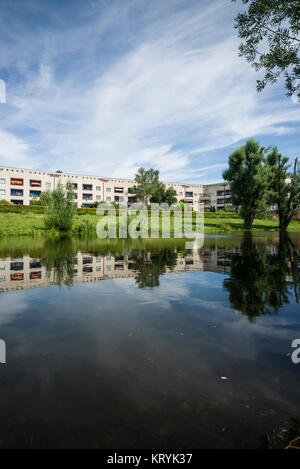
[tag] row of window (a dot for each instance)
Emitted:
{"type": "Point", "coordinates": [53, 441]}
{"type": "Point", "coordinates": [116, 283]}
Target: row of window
{"type": "Point", "coordinates": [85, 187]}
{"type": "Point", "coordinates": [220, 193]}
{"type": "Point", "coordinates": [221, 201]}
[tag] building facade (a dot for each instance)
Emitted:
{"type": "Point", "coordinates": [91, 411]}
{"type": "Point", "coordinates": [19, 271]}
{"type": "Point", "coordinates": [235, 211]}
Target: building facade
{"type": "Point", "coordinates": [22, 186]}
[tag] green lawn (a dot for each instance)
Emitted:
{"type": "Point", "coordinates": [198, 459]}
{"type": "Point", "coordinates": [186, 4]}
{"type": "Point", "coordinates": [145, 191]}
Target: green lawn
{"type": "Point", "coordinates": [12, 224]}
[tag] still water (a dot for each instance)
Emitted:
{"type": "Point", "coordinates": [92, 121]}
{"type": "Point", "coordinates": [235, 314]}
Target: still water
{"type": "Point", "coordinates": [124, 345]}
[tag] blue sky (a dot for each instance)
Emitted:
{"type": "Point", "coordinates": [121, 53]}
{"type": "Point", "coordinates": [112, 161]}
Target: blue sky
{"type": "Point", "coordinates": [107, 86]}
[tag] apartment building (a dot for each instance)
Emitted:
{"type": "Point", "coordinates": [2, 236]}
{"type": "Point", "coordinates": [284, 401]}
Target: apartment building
{"type": "Point", "coordinates": [22, 186]}
{"type": "Point", "coordinates": [26, 273]}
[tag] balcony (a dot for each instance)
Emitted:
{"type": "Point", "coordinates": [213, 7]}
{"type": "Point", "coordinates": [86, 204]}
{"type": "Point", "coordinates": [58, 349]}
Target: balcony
{"type": "Point", "coordinates": [16, 192]}
{"type": "Point", "coordinates": [87, 196]}
{"type": "Point", "coordinates": [17, 277]}
{"type": "Point", "coordinates": [16, 182]}
{"type": "Point", "coordinates": [87, 187]}
{"type": "Point", "coordinates": [35, 183]}
{"type": "Point", "coordinates": [35, 193]}
{"type": "Point", "coordinates": [204, 197]}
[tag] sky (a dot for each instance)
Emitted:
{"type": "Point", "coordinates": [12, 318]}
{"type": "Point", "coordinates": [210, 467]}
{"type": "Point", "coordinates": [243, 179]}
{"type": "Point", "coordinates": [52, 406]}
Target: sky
{"type": "Point", "coordinates": [107, 86]}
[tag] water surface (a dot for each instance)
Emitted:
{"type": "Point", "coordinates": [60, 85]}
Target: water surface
{"type": "Point", "coordinates": [124, 345]}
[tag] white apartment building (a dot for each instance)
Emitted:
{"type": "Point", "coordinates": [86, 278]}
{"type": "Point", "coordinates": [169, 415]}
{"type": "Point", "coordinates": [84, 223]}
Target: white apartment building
{"type": "Point", "coordinates": [22, 186]}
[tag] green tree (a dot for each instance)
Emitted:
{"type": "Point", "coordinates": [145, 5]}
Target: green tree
{"type": "Point", "coordinates": [248, 180]}
{"type": "Point", "coordinates": [60, 208]}
{"type": "Point", "coordinates": [262, 280]}
{"type": "Point", "coordinates": [284, 188]}
{"type": "Point", "coordinates": [158, 194]}
{"type": "Point", "coordinates": [269, 30]}
{"type": "Point", "coordinates": [146, 183]}
{"type": "Point", "coordinates": [170, 196]}
{"type": "Point", "coordinates": [149, 188]}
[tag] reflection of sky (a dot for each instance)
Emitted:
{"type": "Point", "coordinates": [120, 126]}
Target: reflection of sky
{"type": "Point", "coordinates": [108, 364]}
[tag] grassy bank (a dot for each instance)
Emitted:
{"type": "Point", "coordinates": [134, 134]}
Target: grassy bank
{"type": "Point", "coordinates": [20, 224]}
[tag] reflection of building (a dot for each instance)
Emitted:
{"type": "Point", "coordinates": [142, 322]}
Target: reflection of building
{"type": "Point", "coordinates": [22, 273]}
{"type": "Point", "coordinates": [21, 186]}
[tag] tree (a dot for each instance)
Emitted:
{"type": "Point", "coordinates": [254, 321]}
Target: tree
{"type": "Point", "coordinates": [146, 183]}
{"type": "Point", "coordinates": [170, 196]}
{"type": "Point", "coordinates": [248, 180]}
{"type": "Point", "coordinates": [263, 280]}
{"type": "Point", "coordinates": [158, 193]}
{"type": "Point", "coordinates": [150, 188]}
{"type": "Point", "coordinates": [270, 33]}
{"type": "Point", "coordinates": [284, 188]}
{"type": "Point", "coordinates": [60, 208]}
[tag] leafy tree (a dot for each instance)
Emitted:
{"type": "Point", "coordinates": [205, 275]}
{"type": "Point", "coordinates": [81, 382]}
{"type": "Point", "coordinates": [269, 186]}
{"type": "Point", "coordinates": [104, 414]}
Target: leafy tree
{"type": "Point", "coordinates": [148, 271]}
{"type": "Point", "coordinates": [150, 188]}
{"type": "Point", "coordinates": [4, 202]}
{"type": "Point", "coordinates": [262, 281]}
{"type": "Point", "coordinates": [270, 33]}
{"type": "Point", "coordinates": [59, 257]}
{"type": "Point", "coordinates": [60, 208]}
{"type": "Point", "coordinates": [158, 194]}
{"type": "Point", "coordinates": [170, 196]}
{"type": "Point", "coordinates": [284, 188]}
{"type": "Point", "coordinates": [248, 180]}
{"type": "Point", "coordinates": [146, 183]}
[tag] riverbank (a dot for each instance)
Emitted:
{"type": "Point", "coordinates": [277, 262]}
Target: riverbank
{"type": "Point", "coordinates": [23, 224]}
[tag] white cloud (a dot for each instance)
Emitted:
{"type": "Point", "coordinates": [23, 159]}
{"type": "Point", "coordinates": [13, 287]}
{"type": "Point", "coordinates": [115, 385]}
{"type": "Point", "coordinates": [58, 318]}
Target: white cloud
{"type": "Point", "coordinates": [175, 91]}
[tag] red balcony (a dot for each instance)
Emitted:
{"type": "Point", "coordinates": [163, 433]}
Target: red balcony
{"type": "Point", "coordinates": [16, 181]}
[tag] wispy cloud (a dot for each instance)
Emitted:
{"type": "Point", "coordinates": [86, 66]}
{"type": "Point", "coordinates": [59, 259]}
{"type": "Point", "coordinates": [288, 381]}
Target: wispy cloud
{"type": "Point", "coordinates": [112, 89]}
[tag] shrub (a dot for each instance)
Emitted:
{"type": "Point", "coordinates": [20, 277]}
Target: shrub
{"type": "Point", "coordinates": [60, 209]}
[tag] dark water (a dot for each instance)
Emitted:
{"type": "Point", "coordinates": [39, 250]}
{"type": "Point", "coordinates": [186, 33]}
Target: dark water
{"type": "Point", "coordinates": [123, 345]}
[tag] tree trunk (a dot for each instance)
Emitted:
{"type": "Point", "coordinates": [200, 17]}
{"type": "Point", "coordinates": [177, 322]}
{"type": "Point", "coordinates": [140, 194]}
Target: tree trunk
{"type": "Point", "coordinates": [248, 220]}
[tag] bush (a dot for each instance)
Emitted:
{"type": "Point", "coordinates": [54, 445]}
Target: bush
{"type": "Point", "coordinates": [60, 209]}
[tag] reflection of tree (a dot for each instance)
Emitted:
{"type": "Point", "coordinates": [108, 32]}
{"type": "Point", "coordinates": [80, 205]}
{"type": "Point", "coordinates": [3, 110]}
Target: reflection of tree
{"type": "Point", "coordinates": [259, 281]}
{"type": "Point", "coordinates": [59, 256]}
{"type": "Point", "coordinates": [150, 268]}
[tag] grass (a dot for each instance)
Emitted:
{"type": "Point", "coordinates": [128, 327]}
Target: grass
{"type": "Point", "coordinates": [12, 224]}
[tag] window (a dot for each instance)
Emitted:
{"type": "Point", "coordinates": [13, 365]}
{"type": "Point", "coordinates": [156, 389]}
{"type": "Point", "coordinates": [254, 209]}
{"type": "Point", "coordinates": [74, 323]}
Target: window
{"type": "Point", "coordinates": [18, 192]}
{"type": "Point", "coordinates": [35, 193]}
{"type": "Point", "coordinates": [2, 191]}
{"type": "Point", "coordinates": [35, 275]}
{"type": "Point", "coordinates": [48, 185]}
{"type": "Point", "coordinates": [75, 186]}
{"type": "Point", "coordinates": [17, 277]}
{"type": "Point", "coordinates": [130, 190]}
{"type": "Point", "coordinates": [16, 202]}
{"type": "Point", "coordinates": [16, 182]}
{"type": "Point", "coordinates": [87, 196]}
{"type": "Point", "coordinates": [189, 194]}
{"type": "Point", "coordinates": [35, 183]}
{"type": "Point", "coordinates": [98, 188]}
{"type": "Point", "coordinates": [228, 200]}
{"type": "Point", "coordinates": [220, 201]}
{"type": "Point", "coordinates": [119, 190]}
{"type": "Point", "coordinates": [98, 197]}
{"type": "Point", "coordinates": [87, 187]}
{"type": "Point", "coordinates": [119, 198]}
{"type": "Point", "coordinates": [35, 265]}
{"type": "Point", "coordinates": [108, 199]}
{"type": "Point", "coordinates": [16, 265]}
{"type": "Point", "coordinates": [2, 181]}
{"type": "Point", "coordinates": [2, 267]}
{"type": "Point", "coordinates": [219, 193]}
{"type": "Point", "coordinates": [2, 278]}
{"type": "Point", "coordinates": [108, 189]}
{"type": "Point", "coordinates": [180, 194]}
{"type": "Point", "coordinates": [227, 192]}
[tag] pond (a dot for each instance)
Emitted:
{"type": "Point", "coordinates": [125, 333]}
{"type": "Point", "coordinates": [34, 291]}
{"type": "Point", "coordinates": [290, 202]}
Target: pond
{"type": "Point", "coordinates": [144, 344]}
